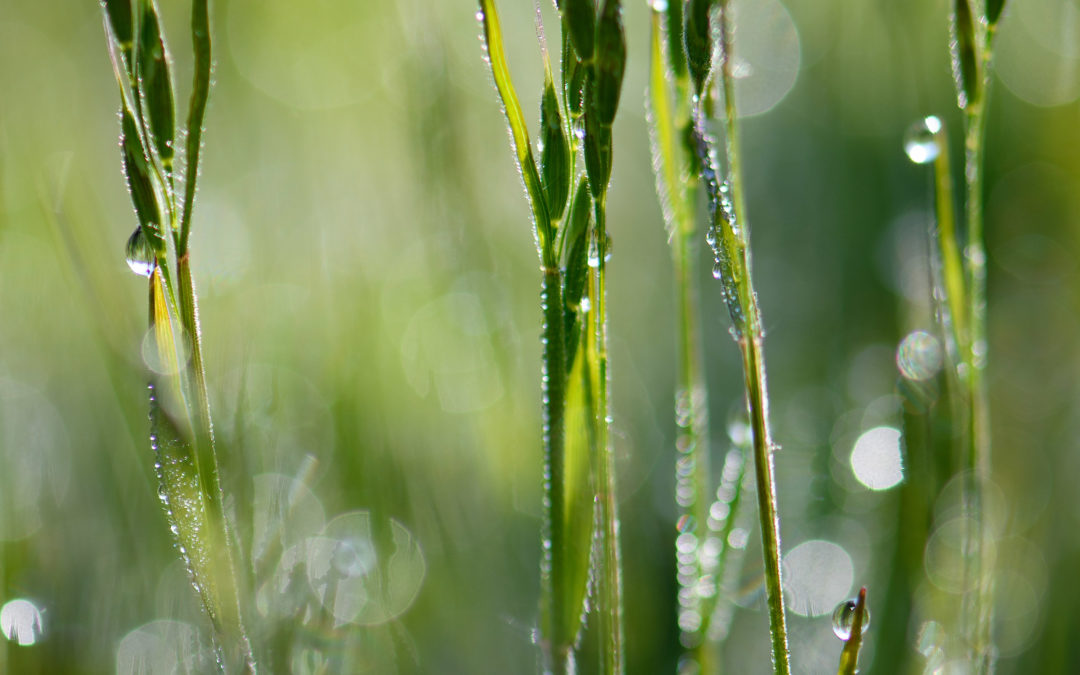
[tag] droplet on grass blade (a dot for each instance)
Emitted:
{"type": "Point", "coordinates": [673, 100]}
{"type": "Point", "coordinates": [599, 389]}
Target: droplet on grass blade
{"type": "Point", "coordinates": [138, 254]}
{"type": "Point", "coordinates": [919, 356]}
{"type": "Point", "coordinates": [921, 140]}
{"type": "Point", "coordinates": [843, 619]}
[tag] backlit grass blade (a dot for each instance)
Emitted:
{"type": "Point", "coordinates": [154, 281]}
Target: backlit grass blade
{"type": "Point", "coordinates": [518, 130]}
{"type": "Point", "coordinates": [574, 547]}
{"type": "Point", "coordinates": [156, 86]}
{"type": "Point", "coordinates": [200, 92]}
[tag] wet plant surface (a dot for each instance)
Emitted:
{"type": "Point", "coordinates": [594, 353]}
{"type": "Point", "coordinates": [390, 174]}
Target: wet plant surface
{"type": "Point", "coordinates": [349, 460]}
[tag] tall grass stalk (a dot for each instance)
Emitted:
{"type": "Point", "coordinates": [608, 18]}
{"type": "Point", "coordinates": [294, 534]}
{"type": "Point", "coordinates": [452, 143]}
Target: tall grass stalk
{"type": "Point", "coordinates": [580, 530]}
{"type": "Point", "coordinates": [674, 161]}
{"type": "Point", "coordinates": [729, 236]}
{"type": "Point", "coordinates": [181, 424]}
{"type": "Point", "coordinates": [973, 26]}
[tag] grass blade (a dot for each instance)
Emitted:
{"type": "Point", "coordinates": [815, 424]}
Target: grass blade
{"type": "Point", "coordinates": [156, 87]}
{"type": "Point", "coordinates": [200, 92]}
{"type": "Point", "coordinates": [518, 130]}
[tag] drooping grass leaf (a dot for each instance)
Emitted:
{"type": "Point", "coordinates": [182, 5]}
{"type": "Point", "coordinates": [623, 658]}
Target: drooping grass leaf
{"type": "Point", "coordinates": [518, 130]}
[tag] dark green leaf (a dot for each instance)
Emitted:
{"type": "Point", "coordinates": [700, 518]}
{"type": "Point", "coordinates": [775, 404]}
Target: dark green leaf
{"type": "Point", "coordinates": [140, 184]}
{"type": "Point", "coordinates": [156, 87]}
{"type": "Point", "coordinates": [119, 13]}
{"type": "Point", "coordinates": [554, 152]}
{"type": "Point", "coordinates": [575, 245]}
{"type": "Point", "coordinates": [610, 62]}
{"type": "Point", "coordinates": [573, 77]}
{"type": "Point", "coordinates": [965, 58]}
{"type": "Point", "coordinates": [579, 22]}
{"type": "Point", "coordinates": [597, 154]}
{"type": "Point", "coordinates": [200, 91]}
{"type": "Point", "coordinates": [675, 43]}
{"type": "Point", "coordinates": [698, 41]}
{"type": "Point", "coordinates": [993, 11]}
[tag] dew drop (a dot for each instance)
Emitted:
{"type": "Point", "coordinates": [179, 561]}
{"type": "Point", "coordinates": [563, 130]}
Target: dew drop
{"type": "Point", "coordinates": [138, 254]}
{"type": "Point", "coordinates": [921, 140]}
{"type": "Point", "coordinates": [718, 271]}
{"type": "Point", "coordinates": [843, 619]}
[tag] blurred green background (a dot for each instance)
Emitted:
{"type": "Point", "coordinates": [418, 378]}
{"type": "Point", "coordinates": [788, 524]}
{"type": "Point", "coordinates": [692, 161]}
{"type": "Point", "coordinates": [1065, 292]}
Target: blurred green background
{"type": "Point", "coordinates": [369, 295]}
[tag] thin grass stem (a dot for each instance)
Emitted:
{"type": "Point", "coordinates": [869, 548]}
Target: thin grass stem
{"type": "Point", "coordinates": [750, 338]}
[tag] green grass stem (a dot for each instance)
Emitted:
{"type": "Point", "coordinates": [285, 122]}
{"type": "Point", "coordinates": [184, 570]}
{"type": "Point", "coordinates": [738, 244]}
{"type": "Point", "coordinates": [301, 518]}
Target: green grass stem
{"type": "Point", "coordinates": [670, 123]}
{"type": "Point", "coordinates": [751, 337]}
{"type": "Point", "coordinates": [181, 426]}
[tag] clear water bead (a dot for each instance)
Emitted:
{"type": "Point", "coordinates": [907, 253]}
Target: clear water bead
{"type": "Point", "coordinates": [138, 254]}
{"type": "Point", "coordinates": [921, 140]}
{"type": "Point", "coordinates": [843, 619]}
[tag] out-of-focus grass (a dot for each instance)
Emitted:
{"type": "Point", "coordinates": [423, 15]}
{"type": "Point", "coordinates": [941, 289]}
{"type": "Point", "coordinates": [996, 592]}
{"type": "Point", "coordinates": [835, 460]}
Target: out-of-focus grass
{"type": "Point", "coordinates": [357, 201]}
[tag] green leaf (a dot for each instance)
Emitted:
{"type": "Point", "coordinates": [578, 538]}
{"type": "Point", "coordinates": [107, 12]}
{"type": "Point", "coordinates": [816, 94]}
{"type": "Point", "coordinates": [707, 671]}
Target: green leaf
{"type": "Point", "coordinates": [200, 91]}
{"type": "Point", "coordinates": [554, 151]}
{"type": "Point", "coordinates": [573, 77]}
{"type": "Point", "coordinates": [698, 41]}
{"type": "Point", "coordinates": [520, 133]}
{"type": "Point", "coordinates": [675, 42]}
{"type": "Point", "coordinates": [579, 22]}
{"type": "Point", "coordinates": [155, 85]}
{"type": "Point", "coordinates": [610, 62]}
{"type": "Point", "coordinates": [140, 183]}
{"type": "Point", "coordinates": [576, 251]}
{"type": "Point", "coordinates": [119, 15]}
{"type": "Point", "coordinates": [597, 154]}
{"type": "Point", "coordinates": [573, 558]}
{"type": "Point", "coordinates": [965, 56]}
{"type": "Point", "coordinates": [993, 11]}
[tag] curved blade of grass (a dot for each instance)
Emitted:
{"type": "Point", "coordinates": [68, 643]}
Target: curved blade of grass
{"type": "Point", "coordinates": [200, 92]}
{"type": "Point", "coordinates": [849, 657]}
{"type": "Point", "coordinates": [518, 130]}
